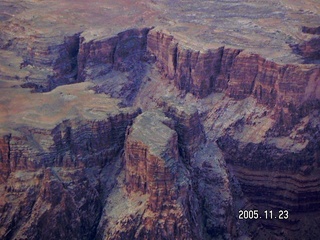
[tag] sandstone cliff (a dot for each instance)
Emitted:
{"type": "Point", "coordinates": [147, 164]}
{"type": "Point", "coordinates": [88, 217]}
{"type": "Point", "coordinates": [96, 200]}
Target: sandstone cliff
{"type": "Point", "coordinates": [238, 73]}
{"type": "Point", "coordinates": [155, 172]}
{"type": "Point", "coordinates": [167, 131]}
{"type": "Point", "coordinates": [50, 170]}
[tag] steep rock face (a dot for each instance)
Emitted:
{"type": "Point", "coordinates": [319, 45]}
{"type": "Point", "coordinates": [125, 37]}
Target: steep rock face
{"type": "Point", "coordinates": [153, 167]}
{"type": "Point", "coordinates": [309, 49]}
{"type": "Point", "coordinates": [47, 200]}
{"type": "Point", "coordinates": [188, 126]}
{"type": "Point", "coordinates": [271, 83]}
{"type": "Point", "coordinates": [238, 73]}
{"type": "Point", "coordinates": [49, 62]}
{"type": "Point", "coordinates": [50, 177]}
{"type": "Point", "coordinates": [292, 160]}
{"type": "Point", "coordinates": [311, 30]}
{"type": "Point", "coordinates": [198, 72]}
{"type": "Point", "coordinates": [5, 156]}
{"type": "Point", "coordinates": [156, 170]}
{"type": "Point", "coordinates": [121, 52]}
{"type": "Point", "coordinates": [56, 59]}
{"type": "Point", "coordinates": [267, 170]}
{"type": "Point", "coordinates": [72, 143]}
{"type": "Point", "coordinates": [280, 173]}
{"type": "Point", "coordinates": [211, 181]}
{"type": "Point", "coordinates": [120, 59]}
{"type": "Point", "coordinates": [65, 66]}
{"type": "Point", "coordinates": [65, 159]}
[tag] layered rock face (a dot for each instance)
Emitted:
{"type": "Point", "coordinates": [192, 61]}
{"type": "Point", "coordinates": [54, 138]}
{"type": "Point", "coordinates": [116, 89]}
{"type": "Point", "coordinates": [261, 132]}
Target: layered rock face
{"type": "Point", "coordinates": [188, 126]}
{"type": "Point", "coordinates": [168, 131]}
{"type": "Point", "coordinates": [284, 153]}
{"type": "Point", "coordinates": [43, 202]}
{"type": "Point", "coordinates": [48, 62]}
{"type": "Point", "coordinates": [238, 73]}
{"type": "Point", "coordinates": [50, 171]}
{"type": "Point", "coordinates": [122, 52]}
{"type": "Point", "coordinates": [125, 54]}
{"type": "Point", "coordinates": [277, 173]}
{"type": "Point", "coordinates": [69, 144]}
{"type": "Point", "coordinates": [309, 49]}
{"type": "Point", "coordinates": [198, 72]}
{"type": "Point", "coordinates": [292, 89]}
{"type": "Point", "coordinates": [153, 167]}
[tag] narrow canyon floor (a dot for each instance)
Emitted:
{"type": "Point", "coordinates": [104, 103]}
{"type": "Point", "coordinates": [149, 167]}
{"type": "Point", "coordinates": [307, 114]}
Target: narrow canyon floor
{"type": "Point", "coordinates": [160, 119]}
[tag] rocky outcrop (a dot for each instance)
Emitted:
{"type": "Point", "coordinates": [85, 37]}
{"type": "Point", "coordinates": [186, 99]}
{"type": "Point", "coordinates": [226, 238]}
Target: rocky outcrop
{"type": "Point", "coordinates": [198, 72]}
{"type": "Point", "coordinates": [311, 30]}
{"type": "Point", "coordinates": [5, 153]}
{"type": "Point", "coordinates": [49, 62]}
{"type": "Point", "coordinates": [236, 72]}
{"type": "Point", "coordinates": [154, 167]}
{"type": "Point", "coordinates": [213, 188]}
{"type": "Point", "coordinates": [293, 171]}
{"type": "Point", "coordinates": [188, 126]}
{"type": "Point", "coordinates": [59, 61]}
{"type": "Point", "coordinates": [72, 143]}
{"type": "Point", "coordinates": [56, 61]}
{"type": "Point", "coordinates": [309, 49]}
{"type": "Point", "coordinates": [292, 175]}
{"type": "Point", "coordinates": [277, 173]}
{"type": "Point", "coordinates": [47, 200]}
{"type": "Point", "coordinates": [50, 177]}
{"type": "Point", "coordinates": [122, 52]}
{"type": "Point", "coordinates": [226, 125]}
{"type": "Point", "coordinates": [120, 59]}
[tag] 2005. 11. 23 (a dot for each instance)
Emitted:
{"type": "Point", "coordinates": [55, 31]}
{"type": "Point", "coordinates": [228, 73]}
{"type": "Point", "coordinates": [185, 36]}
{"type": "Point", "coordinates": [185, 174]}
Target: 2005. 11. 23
{"type": "Point", "coordinates": [267, 214]}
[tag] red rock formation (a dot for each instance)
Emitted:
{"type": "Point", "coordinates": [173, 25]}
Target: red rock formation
{"type": "Point", "coordinates": [239, 74]}
{"type": "Point", "coordinates": [50, 177]}
{"type": "Point", "coordinates": [121, 52]}
{"type": "Point", "coordinates": [167, 178]}
{"type": "Point", "coordinates": [194, 71]}
{"type": "Point", "coordinates": [154, 167]}
{"type": "Point", "coordinates": [45, 201]}
{"type": "Point", "coordinates": [49, 62]}
{"type": "Point", "coordinates": [188, 126]}
{"type": "Point", "coordinates": [71, 143]}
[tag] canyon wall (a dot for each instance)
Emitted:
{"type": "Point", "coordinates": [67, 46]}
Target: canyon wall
{"type": "Point", "coordinates": [155, 171]}
{"type": "Point", "coordinates": [159, 119]}
{"type": "Point", "coordinates": [52, 176]}
{"type": "Point", "coordinates": [238, 73]}
{"type": "Point", "coordinates": [122, 52]}
{"type": "Point", "coordinates": [48, 61]}
{"type": "Point", "coordinates": [72, 143]}
{"type": "Point", "coordinates": [180, 172]}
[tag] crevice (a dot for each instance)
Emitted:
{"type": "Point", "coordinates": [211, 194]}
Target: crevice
{"type": "Point", "coordinates": [113, 54]}
{"type": "Point", "coordinates": [175, 58]}
{"type": "Point", "coordinates": [8, 140]}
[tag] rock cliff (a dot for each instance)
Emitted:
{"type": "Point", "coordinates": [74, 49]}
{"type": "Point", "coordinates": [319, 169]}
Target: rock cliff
{"type": "Point", "coordinates": [50, 172]}
{"type": "Point", "coordinates": [238, 73]}
{"type": "Point", "coordinates": [151, 124]}
{"type": "Point", "coordinates": [154, 167]}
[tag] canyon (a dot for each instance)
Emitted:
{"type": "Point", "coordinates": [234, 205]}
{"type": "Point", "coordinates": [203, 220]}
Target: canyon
{"type": "Point", "coordinates": [159, 119]}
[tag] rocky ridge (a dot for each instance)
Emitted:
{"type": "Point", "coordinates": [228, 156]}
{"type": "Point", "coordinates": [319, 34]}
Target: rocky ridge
{"type": "Point", "coordinates": [232, 130]}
